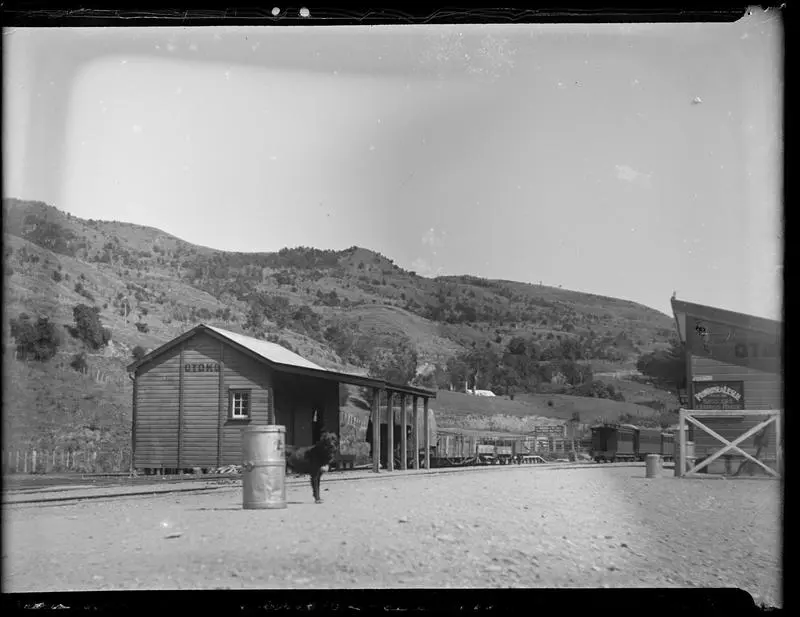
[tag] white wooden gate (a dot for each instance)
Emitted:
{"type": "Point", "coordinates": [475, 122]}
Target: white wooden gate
{"type": "Point", "coordinates": [690, 415]}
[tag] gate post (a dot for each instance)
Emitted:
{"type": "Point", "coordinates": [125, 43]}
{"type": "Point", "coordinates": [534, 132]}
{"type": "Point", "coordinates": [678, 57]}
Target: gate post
{"type": "Point", "coordinates": [680, 468]}
{"type": "Point", "coordinates": [778, 443]}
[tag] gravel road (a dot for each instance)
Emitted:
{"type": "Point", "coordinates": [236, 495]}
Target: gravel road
{"type": "Point", "coordinates": [491, 527]}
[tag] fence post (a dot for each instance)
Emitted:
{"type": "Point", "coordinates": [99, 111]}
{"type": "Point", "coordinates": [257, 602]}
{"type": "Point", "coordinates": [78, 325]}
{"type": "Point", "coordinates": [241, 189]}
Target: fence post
{"type": "Point", "coordinates": [119, 461]}
{"type": "Point", "coordinates": [33, 462]}
{"type": "Point", "coordinates": [16, 466]}
{"type": "Point", "coordinates": [25, 462]}
{"type": "Point", "coordinates": [94, 461]}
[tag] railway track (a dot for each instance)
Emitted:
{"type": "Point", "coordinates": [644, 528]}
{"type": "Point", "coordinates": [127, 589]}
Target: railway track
{"type": "Point", "coordinates": [58, 489]}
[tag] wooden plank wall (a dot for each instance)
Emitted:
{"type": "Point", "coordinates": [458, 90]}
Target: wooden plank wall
{"type": "Point", "coordinates": [200, 403]}
{"type": "Point", "coordinates": [762, 390]}
{"type": "Point", "coordinates": [241, 371]}
{"type": "Point", "coordinates": [757, 365]}
{"type": "Point", "coordinates": [737, 354]}
{"type": "Point", "coordinates": [157, 402]}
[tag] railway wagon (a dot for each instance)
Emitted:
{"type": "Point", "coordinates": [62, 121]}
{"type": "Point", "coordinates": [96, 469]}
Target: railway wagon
{"type": "Point", "coordinates": [614, 442]}
{"type": "Point", "coordinates": [668, 446]}
{"type": "Point", "coordinates": [503, 453]}
{"type": "Point", "coordinates": [452, 446]}
{"type": "Point", "coordinates": [454, 449]}
{"type": "Point", "coordinates": [522, 448]}
{"type": "Point", "coordinates": [648, 442]}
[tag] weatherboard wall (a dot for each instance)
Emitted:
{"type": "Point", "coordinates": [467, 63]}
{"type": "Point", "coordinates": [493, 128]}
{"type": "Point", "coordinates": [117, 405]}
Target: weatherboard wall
{"type": "Point", "coordinates": [157, 404]}
{"type": "Point", "coordinates": [243, 372]}
{"type": "Point", "coordinates": [719, 352]}
{"type": "Point", "coordinates": [183, 408]}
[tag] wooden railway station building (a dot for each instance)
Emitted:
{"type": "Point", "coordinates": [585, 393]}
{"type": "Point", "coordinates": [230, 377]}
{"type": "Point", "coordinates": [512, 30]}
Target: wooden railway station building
{"type": "Point", "coordinates": [733, 364]}
{"type": "Point", "coordinates": [193, 395]}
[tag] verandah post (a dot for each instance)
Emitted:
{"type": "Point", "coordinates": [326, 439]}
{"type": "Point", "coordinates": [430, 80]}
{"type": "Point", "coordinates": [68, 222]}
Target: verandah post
{"type": "Point", "coordinates": [682, 441]}
{"type": "Point", "coordinates": [403, 433]}
{"type": "Point", "coordinates": [415, 420]}
{"type": "Point", "coordinates": [376, 430]}
{"type": "Point", "coordinates": [778, 443]}
{"type": "Point", "coordinates": [427, 429]}
{"type": "Point", "coordinates": [390, 431]}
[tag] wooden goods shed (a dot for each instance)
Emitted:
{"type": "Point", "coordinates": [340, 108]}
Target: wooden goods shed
{"type": "Point", "coordinates": [734, 387]}
{"type": "Point", "coordinates": [193, 395]}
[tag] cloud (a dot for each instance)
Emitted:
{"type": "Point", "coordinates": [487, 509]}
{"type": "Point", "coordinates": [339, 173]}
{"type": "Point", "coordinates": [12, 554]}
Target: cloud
{"type": "Point", "coordinates": [629, 174]}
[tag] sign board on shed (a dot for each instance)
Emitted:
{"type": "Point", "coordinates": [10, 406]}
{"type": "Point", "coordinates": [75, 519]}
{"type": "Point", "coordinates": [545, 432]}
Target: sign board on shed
{"type": "Point", "coordinates": [719, 395]}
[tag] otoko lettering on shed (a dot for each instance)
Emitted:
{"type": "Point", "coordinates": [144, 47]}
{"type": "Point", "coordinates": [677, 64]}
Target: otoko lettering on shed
{"type": "Point", "coordinates": [734, 404]}
{"type": "Point", "coordinates": [193, 395]}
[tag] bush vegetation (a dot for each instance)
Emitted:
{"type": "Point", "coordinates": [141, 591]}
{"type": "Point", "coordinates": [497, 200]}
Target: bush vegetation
{"type": "Point", "coordinates": [38, 340]}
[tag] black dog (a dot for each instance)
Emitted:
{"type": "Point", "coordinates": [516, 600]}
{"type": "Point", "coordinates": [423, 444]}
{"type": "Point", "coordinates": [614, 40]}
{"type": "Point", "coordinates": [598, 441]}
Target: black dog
{"type": "Point", "coordinates": [314, 460]}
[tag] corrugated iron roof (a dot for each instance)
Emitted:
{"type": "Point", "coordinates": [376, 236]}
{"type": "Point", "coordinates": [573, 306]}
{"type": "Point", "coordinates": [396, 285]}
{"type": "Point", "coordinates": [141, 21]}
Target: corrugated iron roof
{"type": "Point", "coordinates": [269, 351]}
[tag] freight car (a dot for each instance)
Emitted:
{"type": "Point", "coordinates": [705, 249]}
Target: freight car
{"type": "Point", "coordinates": [613, 442]}
{"type": "Point", "coordinates": [626, 442]}
{"type": "Point", "coordinates": [453, 447]}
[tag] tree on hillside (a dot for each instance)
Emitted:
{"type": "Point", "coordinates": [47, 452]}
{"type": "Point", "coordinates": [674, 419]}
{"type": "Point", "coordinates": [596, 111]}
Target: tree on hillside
{"type": "Point", "coordinates": [88, 327]}
{"type": "Point", "coordinates": [666, 367]}
{"type": "Point", "coordinates": [254, 319]}
{"type": "Point", "coordinates": [79, 362]}
{"type": "Point", "coordinates": [138, 353]}
{"type": "Point", "coordinates": [397, 365]}
{"type": "Point", "coordinates": [457, 372]}
{"type": "Point", "coordinates": [340, 338]}
{"type": "Point", "coordinates": [517, 346]}
{"type": "Point", "coordinates": [39, 340]}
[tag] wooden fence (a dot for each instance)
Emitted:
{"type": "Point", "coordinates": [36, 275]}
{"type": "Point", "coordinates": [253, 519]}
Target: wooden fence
{"type": "Point", "coordinates": [688, 467]}
{"type": "Point", "coordinates": [98, 375]}
{"type": "Point", "coordinates": [65, 461]}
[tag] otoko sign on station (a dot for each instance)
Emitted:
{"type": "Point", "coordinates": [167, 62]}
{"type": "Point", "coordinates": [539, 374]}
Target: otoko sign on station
{"type": "Point", "coordinates": [201, 367]}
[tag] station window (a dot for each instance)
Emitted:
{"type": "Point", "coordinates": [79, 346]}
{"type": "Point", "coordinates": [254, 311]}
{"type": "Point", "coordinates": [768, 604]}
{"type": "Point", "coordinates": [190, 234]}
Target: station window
{"type": "Point", "coordinates": [239, 404]}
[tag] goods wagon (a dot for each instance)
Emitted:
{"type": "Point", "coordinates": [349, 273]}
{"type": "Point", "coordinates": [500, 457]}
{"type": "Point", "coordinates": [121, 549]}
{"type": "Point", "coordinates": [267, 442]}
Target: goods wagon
{"type": "Point", "coordinates": [648, 442]}
{"type": "Point", "coordinates": [625, 442]}
{"type": "Point", "coordinates": [453, 447]}
{"type": "Point", "coordinates": [668, 446]}
{"type": "Point", "coordinates": [614, 442]}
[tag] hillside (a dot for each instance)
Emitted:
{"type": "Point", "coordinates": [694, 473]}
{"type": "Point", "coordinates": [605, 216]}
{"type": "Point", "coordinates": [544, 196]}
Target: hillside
{"type": "Point", "coordinates": [527, 411]}
{"type": "Point", "coordinates": [353, 310]}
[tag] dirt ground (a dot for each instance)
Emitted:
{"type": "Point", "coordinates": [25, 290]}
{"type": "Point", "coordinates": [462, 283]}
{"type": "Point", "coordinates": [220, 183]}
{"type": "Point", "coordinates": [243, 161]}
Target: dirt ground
{"type": "Point", "coordinates": [491, 527]}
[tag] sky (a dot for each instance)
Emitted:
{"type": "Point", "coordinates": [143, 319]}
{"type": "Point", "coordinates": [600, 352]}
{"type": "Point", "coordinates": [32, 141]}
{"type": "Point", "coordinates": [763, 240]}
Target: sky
{"type": "Point", "coordinates": [627, 160]}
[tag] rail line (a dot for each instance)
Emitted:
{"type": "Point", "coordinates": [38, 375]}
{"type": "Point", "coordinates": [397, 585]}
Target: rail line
{"type": "Point", "coordinates": [230, 482]}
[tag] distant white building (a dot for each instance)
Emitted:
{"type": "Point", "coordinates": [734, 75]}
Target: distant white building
{"type": "Point", "coordinates": [475, 392]}
{"type": "Point", "coordinates": [481, 392]}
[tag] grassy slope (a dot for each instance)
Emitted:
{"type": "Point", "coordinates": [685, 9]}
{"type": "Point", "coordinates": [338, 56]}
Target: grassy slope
{"type": "Point", "coordinates": [161, 277]}
{"type": "Point", "coordinates": [526, 411]}
{"type": "Point", "coordinates": [388, 322]}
